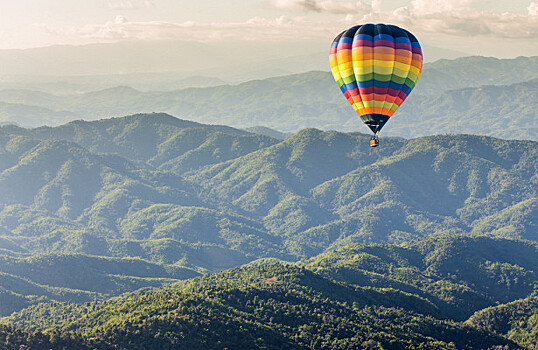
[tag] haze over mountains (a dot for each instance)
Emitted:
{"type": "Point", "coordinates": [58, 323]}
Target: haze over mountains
{"type": "Point", "coordinates": [243, 216]}
{"type": "Point", "coordinates": [150, 65]}
{"type": "Point", "coordinates": [468, 95]}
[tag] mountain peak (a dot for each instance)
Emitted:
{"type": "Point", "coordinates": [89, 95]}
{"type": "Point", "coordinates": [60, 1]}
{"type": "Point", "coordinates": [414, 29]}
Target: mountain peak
{"type": "Point", "coordinates": [160, 118]}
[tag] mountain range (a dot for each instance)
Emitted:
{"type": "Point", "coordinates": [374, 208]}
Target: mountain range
{"type": "Point", "coordinates": [178, 198]}
{"type": "Point", "coordinates": [474, 95]}
{"type": "Point", "coordinates": [177, 194]}
{"type": "Point", "coordinates": [149, 231]}
{"type": "Point", "coordinates": [137, 60]}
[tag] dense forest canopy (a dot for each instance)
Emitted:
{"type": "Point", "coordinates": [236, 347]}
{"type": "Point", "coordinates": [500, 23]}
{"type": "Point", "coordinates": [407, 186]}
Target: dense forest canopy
{"type": "Point", "coordinates": [359, 296]}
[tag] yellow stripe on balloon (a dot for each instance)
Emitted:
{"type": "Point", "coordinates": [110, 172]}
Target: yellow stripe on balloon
{"type": "Point", "coordinates": [382, 70]}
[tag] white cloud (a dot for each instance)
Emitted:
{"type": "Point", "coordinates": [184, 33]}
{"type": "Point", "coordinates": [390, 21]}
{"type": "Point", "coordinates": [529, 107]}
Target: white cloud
{"type": "Point", "coordinates": [293, 5]}
{"type": "Point", "coordinates": [130, 5]}
{"type": "Point", "coordinates": [279, 28]}
{"type": "Point", "coordinates": [122, 5]}
{"type": "Point", "coordinates": [533, 9]}
{"type": "Point", "coordinates": [440, 6]}
{"type": "Point", "coordinates": [459, 17]}
{"type": "Point", "coordinates": [330, 6]}
{"type": "Point", "coordinates": [453, 17]}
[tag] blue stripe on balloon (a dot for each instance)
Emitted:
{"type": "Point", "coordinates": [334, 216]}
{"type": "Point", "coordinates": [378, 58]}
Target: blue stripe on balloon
{"type": "Point", "coordinates": [364, 37]}
{"type": "Point", "coordinates": [366, 84]}
{"type": "Point", "coordinates": [381, 84]}
{"type": "Point", "coordinates": [401, 39]}
{"type": "Point", "coordinates": [383, 37]}
{"type": "Point", "coordinates": [373, 82]}
{"type": "Point", "coordinates": [351, 86]}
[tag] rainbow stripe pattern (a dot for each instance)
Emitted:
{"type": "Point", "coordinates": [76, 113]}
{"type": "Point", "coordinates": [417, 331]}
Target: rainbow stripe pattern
{"type": "Point", "coordinates": [376, 66]}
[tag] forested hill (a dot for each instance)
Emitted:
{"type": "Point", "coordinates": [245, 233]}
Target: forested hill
{"type": "Point", "coordinates": [178, 198]}
{"type": "Point", "coordinates": [177, 184]}
{"type": "Point", "coordinates": [459, 274]}
{"type": "Point", "coordinates": [384, 296]}
{"type": "Point", "coordinates": [517, 320]}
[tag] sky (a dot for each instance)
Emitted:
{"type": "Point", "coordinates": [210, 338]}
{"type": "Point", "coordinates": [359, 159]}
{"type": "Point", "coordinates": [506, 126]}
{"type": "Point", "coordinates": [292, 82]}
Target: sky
{"type": "Point", "coordinates": [501, 28]}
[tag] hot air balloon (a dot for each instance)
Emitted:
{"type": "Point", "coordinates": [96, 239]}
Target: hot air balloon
{"type": "Point", "coordinates": [376, 66]}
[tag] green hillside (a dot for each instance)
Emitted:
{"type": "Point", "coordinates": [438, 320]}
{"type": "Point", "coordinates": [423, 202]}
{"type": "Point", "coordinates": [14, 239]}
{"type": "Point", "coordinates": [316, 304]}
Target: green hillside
{"type": "Point", "coordinates": [459, 274]}
{"type": "Point", "coordinates": [405, 189]}
{"type": "Point", "coordinates": [206, 198]}
{"type": "Point", "coordinates": [310, 191]}
{"type": "Point", "coordinates": [267, 306]}
{"type": "Point", "coordinates": [15, 339]}
{"type": "Point", "coordinates": [158, 139]}
{"type": "Point", "coordinates": [517, 321]}
{"type": "Point", "coordinates": [77, 278]}
{"type": "Point", "coordinates": [262, 130]}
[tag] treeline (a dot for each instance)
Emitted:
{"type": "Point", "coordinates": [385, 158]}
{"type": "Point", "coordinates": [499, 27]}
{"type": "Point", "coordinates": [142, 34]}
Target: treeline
{"type": "Point", "coordinates": [14, 339]}
{"type": "Point", "coordinates": [270, 305]}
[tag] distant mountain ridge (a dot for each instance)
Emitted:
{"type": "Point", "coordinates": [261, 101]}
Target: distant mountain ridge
{"type": "Point", "coordinates": [262, 130]}
{"type": "Point", "coordinates": [468, 95]}
{"type": "Point", "coordinates": [238, 60]}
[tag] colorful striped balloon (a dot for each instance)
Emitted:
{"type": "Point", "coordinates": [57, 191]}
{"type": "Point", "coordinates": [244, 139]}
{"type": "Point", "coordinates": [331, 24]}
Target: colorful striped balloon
{"type": "Point", "coordinates": [376, 66]}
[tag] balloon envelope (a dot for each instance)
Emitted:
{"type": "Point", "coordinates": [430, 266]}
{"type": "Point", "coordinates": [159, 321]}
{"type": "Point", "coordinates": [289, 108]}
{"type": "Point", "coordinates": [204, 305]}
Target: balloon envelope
{"type": "Point", "coordinates": [376, 66]}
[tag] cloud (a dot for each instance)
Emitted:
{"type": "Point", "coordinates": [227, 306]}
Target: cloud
{"type": "Point", "coordinates": [122, 5]}
{"type": "Point", "coordinates": [129, 5]}
{"type": "Point", "coordinates": [279, 28]}
{"type": "Point", "coordinates": [533, 9]}
{"type": "Point", "coordinates": [460, 18]}
{"type": "Point", "coordinates": [330, 6]}
{"type": "Point", "coordinates": [440, 6]}
{"type": "Point", "coordinates": [453, 17]}
{"type": "Point", "coordinates": [431, 17]}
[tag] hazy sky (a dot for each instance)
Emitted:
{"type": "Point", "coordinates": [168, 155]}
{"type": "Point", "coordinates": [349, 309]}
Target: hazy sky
{"type": "Point", "coordinates": [503, 28]}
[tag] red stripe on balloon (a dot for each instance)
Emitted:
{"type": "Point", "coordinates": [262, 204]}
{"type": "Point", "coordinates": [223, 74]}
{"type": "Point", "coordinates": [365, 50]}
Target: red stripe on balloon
{"type": "Point", "coordinates": [342, 46]}
{"type": "Point", "coordinates": [403, 46]}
